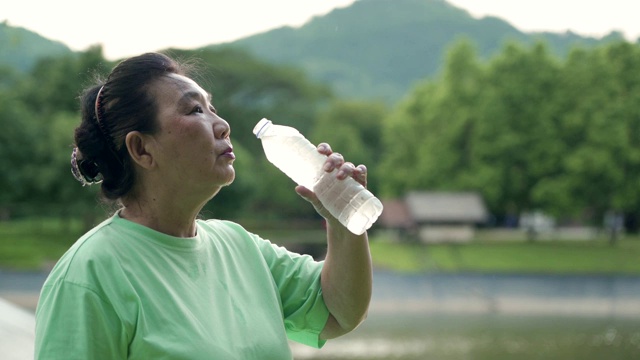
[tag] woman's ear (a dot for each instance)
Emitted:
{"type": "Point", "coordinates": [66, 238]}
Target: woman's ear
{"type": "Point", "coordinates": [138, 145]}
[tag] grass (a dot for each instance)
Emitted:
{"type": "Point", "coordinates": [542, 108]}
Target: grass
{"type": "Point", "coordinates": [35, 244]}
{"type": "Point", "coordinates": [553, 257]}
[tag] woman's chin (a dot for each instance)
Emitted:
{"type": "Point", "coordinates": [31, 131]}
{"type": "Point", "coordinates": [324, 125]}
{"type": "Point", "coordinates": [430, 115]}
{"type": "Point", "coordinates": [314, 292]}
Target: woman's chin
{"type": "Point", "coordinates": [228, 179]}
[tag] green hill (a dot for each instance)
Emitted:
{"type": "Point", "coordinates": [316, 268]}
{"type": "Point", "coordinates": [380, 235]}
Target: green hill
{"type": "Point", "coordinates": [21, 48]}
{"type": "Point", "coordinates": [371, 49]}
{"type": "Point", "coordinates": [379, 48]}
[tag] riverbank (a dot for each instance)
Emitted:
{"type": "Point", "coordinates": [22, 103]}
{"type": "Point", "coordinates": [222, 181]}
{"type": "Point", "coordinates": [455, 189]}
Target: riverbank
{"type": "Point", "coordinates": [35, 245]}
{"type": "Point", "coordinates": [588, 257]}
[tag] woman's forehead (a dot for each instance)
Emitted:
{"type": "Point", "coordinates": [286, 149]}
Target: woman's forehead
{"type": "Point", "coordinates": [184, 82]}
{"type": "Point", "coordinates": [177, 86]}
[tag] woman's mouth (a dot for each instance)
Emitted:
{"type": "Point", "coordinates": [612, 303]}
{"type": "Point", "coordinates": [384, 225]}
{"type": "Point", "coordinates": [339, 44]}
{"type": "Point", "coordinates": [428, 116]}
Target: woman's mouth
{"type": "Point", "coordinates": [228, 153]}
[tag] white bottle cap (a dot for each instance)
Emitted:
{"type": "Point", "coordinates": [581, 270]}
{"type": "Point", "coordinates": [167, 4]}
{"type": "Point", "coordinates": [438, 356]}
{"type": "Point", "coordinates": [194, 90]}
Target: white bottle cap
{"type": "Point", "coordinates": [260, 126]}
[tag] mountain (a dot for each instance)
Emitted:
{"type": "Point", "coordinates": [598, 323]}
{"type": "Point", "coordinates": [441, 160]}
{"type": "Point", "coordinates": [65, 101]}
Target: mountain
{"type": "Point", "coordinates": [380, 48]}
{"type": "Point", "coordinates": [374, 49]}
{"type": "Point", "coordinates": [21, 48]}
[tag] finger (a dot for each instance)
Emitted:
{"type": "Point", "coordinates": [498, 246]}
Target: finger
{"type": "Point", "coordinates": [311, 197]}
{"type": "Point", "coordinates": [346, 169]}
{"type": "Point", "coordinates": [361, 171]}
{"type": "Point", "coordinates": [324, 148]}
{"type": "Point", "coordinates": [306, 194]}
{"type": "Point", "coordinates": [360, 174]}
{"type": "Point", "coordinates": [334, 161]}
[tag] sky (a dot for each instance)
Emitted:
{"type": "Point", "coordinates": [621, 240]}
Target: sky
{"type": "Point", "coordinates": [130, 27]}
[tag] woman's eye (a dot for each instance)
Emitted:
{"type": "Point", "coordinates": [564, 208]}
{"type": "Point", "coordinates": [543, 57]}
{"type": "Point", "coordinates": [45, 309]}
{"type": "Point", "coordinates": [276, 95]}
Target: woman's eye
{"type": "Point", "coordinates": [213, 110]}
{"type": "Point", "coordinates": [197, 109]}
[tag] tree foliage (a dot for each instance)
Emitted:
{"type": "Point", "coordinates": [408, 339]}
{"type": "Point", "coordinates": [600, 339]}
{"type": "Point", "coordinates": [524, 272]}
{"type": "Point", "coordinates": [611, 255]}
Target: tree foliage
{"type": "Point", "coordinates": [525, 129]}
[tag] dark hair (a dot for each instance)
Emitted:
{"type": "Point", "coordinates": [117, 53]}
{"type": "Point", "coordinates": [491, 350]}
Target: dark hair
{"type": "Point", "coordinates": [123, 103]}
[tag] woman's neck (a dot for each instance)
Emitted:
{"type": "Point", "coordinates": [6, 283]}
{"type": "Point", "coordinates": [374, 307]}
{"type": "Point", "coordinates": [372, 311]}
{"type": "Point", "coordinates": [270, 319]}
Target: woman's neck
{"type": "Point", "coordinates": [165, 216]}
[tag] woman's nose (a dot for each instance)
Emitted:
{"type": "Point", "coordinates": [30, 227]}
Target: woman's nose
{"type": "Point", "coordinates": [221, 128]}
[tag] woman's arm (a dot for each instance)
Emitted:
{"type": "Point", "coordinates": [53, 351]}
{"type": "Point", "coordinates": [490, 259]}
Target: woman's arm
{"type": "Point", "coordinates": [347, 274]}
{"type": "Point", "coordinates": [346, 280]}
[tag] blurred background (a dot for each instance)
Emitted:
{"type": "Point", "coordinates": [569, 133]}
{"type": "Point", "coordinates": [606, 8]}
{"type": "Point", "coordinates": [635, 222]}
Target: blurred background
{"type": "Point", "coordinates": [506, 152]}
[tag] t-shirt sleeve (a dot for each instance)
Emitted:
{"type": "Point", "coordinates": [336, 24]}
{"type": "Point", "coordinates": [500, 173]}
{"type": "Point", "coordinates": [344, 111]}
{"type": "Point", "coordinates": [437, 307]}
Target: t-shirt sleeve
{"type": "Point", "coordinates": [298, 280]}
{"type": "Point", "coordinates": [74, 322]}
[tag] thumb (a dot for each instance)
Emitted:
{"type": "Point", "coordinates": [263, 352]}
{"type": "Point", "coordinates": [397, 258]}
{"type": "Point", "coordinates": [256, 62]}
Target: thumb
{"type": "Point", "coordinates": [311, 197]}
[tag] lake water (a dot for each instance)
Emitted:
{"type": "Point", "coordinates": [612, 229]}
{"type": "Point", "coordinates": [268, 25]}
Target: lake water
{"type": "Point", "coordinates": [472, 316]}
{"type": "Point", "coordinates": [491, 337]}
{"type": "Point", "coordinates": [493, 317]}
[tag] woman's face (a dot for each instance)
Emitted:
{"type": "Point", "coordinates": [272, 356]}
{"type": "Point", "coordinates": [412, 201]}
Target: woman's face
{"type": "Point", "coordinates": [193, 147]}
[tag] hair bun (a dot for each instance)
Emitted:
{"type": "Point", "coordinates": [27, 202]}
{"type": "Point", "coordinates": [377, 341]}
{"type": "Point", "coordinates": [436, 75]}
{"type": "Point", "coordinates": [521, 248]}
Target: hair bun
{"type": "Point", "coordinates": [85, 171]}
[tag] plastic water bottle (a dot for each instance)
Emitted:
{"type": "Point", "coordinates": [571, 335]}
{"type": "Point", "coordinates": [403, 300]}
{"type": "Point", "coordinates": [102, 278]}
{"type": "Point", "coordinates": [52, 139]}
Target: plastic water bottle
{"type": "Point", "coordinates": [347, 200]}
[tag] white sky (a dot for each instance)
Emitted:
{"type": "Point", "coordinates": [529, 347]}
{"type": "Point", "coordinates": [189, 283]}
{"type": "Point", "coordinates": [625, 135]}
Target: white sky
{"type": "Point", "coordinates": [130, 27]}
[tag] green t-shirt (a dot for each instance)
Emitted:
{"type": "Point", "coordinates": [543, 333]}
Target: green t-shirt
{"type": "Point", "coordinates": [125, 291]}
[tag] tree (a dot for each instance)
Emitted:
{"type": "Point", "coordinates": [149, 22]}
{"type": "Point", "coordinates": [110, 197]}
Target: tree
{"type": "Point", "coordinates": [484, 128]}
{"type": "Point", "coordinates": [520, 129]}
{"type": "Point", "coordinates": [431, 137]}
{"type": "Point", "coordinates": [526, 130]}
{"type": "Point", "coordinates": [353, 128]}
{"type": "Point", "coordinates": [47, 101]}
{"type": "Point", "coordinates": [600, 122]}
{"type": "Point", "coordinates": [18, 139]}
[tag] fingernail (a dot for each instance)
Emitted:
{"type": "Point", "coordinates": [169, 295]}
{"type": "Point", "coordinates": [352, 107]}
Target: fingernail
{"type": "Point", "coordinates": [327, 166]}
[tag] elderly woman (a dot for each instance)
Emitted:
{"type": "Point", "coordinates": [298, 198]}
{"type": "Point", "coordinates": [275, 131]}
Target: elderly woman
{"type": "Point", "coordinates": [154, 282]}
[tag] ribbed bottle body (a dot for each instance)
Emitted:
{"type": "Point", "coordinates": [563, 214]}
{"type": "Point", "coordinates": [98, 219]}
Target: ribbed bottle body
{"type": "Point", "coordinates": [347, 200]}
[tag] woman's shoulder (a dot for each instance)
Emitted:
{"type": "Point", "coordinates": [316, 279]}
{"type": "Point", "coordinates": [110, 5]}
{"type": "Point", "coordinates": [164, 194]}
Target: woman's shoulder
{"type": "Point", "coordinates": [91, 250]}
